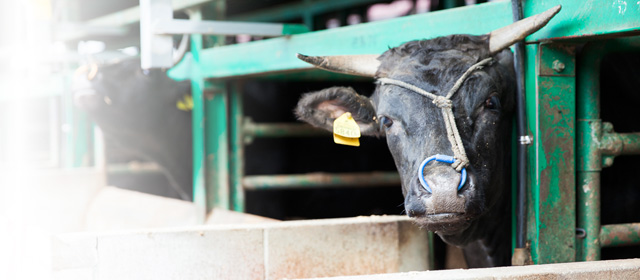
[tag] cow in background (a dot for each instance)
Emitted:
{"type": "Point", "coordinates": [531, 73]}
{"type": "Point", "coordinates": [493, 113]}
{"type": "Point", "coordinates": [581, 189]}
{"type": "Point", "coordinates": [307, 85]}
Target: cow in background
{"type": "Point", "coordinates": [143, 111]}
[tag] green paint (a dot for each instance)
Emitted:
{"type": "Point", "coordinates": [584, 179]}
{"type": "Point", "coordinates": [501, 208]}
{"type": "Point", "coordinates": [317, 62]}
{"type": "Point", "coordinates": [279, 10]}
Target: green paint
{"type": "Point", "coordinates": [551, 116]}
{"type": "Point", "coordinates": [584, 18]}
{"type": "Point", "coordinates": [533, 153]}
{"type": "Point", "coordinates": [291, 29]}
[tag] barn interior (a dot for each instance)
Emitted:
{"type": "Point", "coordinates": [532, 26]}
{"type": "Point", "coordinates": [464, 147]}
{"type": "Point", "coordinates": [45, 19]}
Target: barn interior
{"type": "Point", "coordinates": [62, 174]}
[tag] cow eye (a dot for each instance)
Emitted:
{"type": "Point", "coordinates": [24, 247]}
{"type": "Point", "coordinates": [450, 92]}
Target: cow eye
{"type": "Point", "coordinates": [492, 103]}
{"type": "Point", "coordinates": [386, 122]}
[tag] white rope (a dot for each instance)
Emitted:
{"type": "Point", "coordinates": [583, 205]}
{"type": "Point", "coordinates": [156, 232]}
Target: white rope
{"type": "Point", "coordinates": [445, 104]}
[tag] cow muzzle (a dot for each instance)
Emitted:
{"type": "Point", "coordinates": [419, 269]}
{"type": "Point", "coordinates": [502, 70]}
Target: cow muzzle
{"type": "Point", "coordinates": [439, 192]}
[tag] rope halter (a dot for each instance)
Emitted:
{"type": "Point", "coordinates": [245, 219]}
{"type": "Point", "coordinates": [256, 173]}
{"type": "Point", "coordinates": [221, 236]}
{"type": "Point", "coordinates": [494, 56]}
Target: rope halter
{"type": "Point", "coordinates": [459, 160]}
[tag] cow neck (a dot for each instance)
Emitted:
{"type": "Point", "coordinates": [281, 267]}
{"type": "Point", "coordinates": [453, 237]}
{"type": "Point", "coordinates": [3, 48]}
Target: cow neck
{"type": "Point", "coordinates": [445, 104]}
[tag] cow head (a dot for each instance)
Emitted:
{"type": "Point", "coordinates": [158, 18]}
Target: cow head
{"type": "Point", "coordinates": [414, 126]}
{"type": "Point", "coordinates": [138, 109]}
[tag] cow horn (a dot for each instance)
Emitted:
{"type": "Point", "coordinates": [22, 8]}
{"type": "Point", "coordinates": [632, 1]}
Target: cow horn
{"type": "Point", "coordinates": [360, 65]}
{"type": "Point", "coordinates": [506, 36]}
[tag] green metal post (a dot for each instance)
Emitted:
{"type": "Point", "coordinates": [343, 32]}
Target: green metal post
{"type": "Point", "coordinates": [596, 140]}
{"type": "Point", "coordinates": [550, 80]}
{"type": "Point", "coordinates": [237, 148]}
{"type": "Point", "coordinates": [198, 121]}
{"type": "Point", "coordinates": [588, 158]}
{"type": "Point", "coordinates": [217, 146]}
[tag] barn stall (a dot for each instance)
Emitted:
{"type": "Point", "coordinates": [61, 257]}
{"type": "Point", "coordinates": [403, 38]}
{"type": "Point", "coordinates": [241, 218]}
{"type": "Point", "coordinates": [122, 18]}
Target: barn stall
{"type": "Point", "coordinates": [251, 156]}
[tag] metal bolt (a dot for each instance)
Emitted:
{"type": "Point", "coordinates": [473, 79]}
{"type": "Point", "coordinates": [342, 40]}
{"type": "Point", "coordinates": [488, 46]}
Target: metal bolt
{"type": "Point", "coordinates": [608, 161]}
{"type": "Point", "coordinates": [558, 66]}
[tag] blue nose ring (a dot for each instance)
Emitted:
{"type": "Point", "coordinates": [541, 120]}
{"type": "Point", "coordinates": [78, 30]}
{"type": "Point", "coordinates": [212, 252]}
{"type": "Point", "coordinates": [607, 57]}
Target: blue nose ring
{"type": "Point", "coordinates": [440, 158]}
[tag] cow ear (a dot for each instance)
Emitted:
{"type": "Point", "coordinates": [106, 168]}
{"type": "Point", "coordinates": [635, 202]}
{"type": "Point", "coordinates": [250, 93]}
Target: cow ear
{"type": "Point", "coordinates": [321, 108]}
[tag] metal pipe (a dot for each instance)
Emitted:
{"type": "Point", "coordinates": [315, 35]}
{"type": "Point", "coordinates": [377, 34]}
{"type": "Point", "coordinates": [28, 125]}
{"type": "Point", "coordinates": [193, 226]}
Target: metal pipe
{"type": "Point", "coordinates": [521, 128]}
{"type": "Point", "coordinates": [251, 129]}
{"type": "Point", "coordinates": [614, 144]}
{"type": "Point", "coordinates": [620, 235]}
{"type": "Point", "coordinates": [320, 180]}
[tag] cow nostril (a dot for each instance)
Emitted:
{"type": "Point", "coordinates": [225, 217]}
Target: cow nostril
{"type": "Point", "coordinates": [415, 208]}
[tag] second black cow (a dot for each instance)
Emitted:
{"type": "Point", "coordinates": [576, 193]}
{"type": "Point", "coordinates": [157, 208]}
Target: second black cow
{"type": "Point", "coordinates": [138, 109]}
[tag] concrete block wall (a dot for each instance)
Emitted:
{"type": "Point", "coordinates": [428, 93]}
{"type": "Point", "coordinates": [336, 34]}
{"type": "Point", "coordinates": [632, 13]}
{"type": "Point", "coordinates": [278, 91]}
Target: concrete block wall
{"type": "Point", "coordinates": [297, 249]}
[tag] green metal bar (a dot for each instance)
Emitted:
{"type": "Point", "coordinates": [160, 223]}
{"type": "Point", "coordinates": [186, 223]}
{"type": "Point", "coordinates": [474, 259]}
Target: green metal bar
{"type": "Point", "coordinates": [237, 148]}
{"type": "Point", "coordinates": [198, 124]}
{"type": "Point", "coordinates": [217, 146]}
{"type": "Point", "coordinates": [551, 109]}
{"type": "Point", "coordinates": [321, 180]}
{"type": "Point", "coordinates": [217, 135]}
{"type": "Point", "coordinates": [588, 178]}
{"type": "Point", "coordinates": [298, 10]}
{"type": "Point", "coordinates": [620, 235]}
{"type": "Point", "coordinates": [251, 129]}
{"type": "Point", "coordinates": [620, 144]}
{"type": "Point", "coordinates": [596, 139]}
{"type": "Point", "coordinates": [580, 18]}
{"type": "Point", "coordinates": [278, 54]}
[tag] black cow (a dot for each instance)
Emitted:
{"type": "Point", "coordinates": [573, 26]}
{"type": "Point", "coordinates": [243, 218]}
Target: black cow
{"type": "Point", "coordinates": [138, 109]}
{"type": "Point", "coordinates": [473, 215]}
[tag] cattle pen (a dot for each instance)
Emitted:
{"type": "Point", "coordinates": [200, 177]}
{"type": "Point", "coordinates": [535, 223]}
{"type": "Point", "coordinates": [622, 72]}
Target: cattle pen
{"type": "Point", "coordinates": [578, 120]}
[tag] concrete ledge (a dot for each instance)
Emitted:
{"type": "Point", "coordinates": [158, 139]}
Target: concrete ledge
{"type": "Point", "coordinates": [297, 249]}
{"type": "Point", "coordinates": [615, 269]}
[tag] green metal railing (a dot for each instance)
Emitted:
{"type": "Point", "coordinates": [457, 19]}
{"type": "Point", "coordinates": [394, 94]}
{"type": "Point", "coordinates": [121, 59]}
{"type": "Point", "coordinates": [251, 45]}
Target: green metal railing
{"type": "Point", "coordinates": [597, 146]}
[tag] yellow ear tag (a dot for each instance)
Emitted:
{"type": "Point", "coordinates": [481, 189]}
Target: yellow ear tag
{"type": "Point", "coordinates": [346, 131]}
{"type": "Point", "coordinates": [185, 104]}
